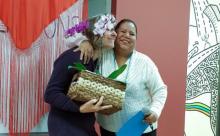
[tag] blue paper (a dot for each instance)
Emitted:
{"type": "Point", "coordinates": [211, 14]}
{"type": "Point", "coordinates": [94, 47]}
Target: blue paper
{"type": "Point", "coordinates": [134, 126]}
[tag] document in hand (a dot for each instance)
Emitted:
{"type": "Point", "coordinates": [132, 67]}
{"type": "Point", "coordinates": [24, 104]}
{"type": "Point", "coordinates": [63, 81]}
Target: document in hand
{"type": "Point", "coordinates": [134, 126]}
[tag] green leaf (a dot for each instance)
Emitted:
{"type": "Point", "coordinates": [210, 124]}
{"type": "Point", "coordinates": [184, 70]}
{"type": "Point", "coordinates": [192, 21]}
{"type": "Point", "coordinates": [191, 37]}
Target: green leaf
{"type": "Point", "coordinates": [117, 72]}
{"type": "Point", "coordinates": [69, 67]}
{"type": "Point", "coordinates": [78, 66]}
{"type": "Point", "coordinates": [97, 72]}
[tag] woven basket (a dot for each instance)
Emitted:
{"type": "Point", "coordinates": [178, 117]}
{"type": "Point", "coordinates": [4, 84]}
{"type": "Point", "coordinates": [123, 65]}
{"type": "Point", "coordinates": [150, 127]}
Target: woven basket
{"type": "Point", "coordinates": [90, 85]}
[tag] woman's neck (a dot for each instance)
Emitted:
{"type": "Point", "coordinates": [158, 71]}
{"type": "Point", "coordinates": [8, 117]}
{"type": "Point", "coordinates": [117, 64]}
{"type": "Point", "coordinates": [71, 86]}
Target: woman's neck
{"type": "Point", "coordinates": [96, 53]}
{"type": "Point", "coordinates": [121, 57]}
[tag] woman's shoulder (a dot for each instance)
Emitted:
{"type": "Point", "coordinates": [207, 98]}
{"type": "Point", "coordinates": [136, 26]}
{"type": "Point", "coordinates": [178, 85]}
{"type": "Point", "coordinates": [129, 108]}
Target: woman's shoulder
{"type": "Point", "coordinates": [145, 59]}
{"type": "Point", "coordinates": [71, 52]}
{"type": "Point", "coordinates": [142, 56]}
{"type": "Point", "coordinates": [69, 56]}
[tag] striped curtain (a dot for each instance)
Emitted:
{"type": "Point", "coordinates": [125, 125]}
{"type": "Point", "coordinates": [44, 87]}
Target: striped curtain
{"type": "Point", "coordinates": [27, 52]}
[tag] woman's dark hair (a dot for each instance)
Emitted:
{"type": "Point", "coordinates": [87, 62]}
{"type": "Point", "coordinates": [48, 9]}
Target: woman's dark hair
{"type": "Point", "coordinates": [124, 21]}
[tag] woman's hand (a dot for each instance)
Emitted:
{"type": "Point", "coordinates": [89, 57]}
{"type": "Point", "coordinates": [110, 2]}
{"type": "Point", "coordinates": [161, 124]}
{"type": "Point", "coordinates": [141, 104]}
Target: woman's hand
{"type": "Point", "coordinates": [86, 51]}
{"type": "Point", "coordinates": [151, 118]}
{"type": "Point", "coordinates": [93, 106]}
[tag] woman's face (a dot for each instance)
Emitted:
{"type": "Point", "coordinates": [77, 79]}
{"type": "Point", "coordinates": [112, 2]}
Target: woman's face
{"type": "Point", "coordinates": [126, 37]}
{"type": "Point", "coordinates": [108, 39]}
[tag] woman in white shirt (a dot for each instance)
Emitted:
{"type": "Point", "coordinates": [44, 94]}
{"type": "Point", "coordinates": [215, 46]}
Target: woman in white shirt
{"type": "Point", "coordinates": [145, 87]}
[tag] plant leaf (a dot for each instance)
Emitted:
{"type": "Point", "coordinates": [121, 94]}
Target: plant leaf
{"type": "Point", "coordinates": [69, 67]}
{"type": "Point", "coordinates": [117, 72]}
{"type": "Point", "coordinates": [97, 72]}
{"type": "Point", "coordinates": [78, 66]}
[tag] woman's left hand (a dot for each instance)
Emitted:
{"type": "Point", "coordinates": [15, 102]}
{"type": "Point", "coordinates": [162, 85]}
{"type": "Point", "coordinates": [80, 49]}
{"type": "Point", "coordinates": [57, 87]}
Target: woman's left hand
{"type": "Point", "coordinates": [151, 118]}
{"type": "Point", "coordinates": [86, 51]}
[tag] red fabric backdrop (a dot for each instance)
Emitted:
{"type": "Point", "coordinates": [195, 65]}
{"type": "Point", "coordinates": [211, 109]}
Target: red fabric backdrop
{"type": "Point", "coordinates": [26, 19]}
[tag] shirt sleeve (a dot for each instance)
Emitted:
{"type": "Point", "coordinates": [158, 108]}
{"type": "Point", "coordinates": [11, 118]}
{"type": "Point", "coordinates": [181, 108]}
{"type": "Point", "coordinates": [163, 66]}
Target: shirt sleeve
{"type": "Point", "coordinates": [158, 90]}
{"type": "Point", "coordinates": [75, 40]}
{"type": "Point", "coordinates": [58, 85]}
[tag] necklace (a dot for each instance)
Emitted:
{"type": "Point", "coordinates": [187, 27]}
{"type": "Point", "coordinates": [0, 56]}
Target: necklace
{"type": "Point", "coordinates": [128, 66]}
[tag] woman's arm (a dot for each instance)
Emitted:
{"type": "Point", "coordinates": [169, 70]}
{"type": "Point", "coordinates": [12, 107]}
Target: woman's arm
{"type": "Point", "coordinates": [86, 51]}
{"type": "Point", "coordinates": [58, 84]}
{"type": "Point", "coordinates": [158, 92]}
{"type": "Point", "coordinates": [83, 45]}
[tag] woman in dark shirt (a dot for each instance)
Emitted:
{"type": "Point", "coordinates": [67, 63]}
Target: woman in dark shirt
{"type": "Point", "coordinates": [68, 117]}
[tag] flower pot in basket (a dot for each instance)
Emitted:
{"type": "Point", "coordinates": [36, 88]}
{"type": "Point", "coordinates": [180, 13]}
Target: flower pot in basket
{"type": "Point", "coordinates": [90, 85]}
